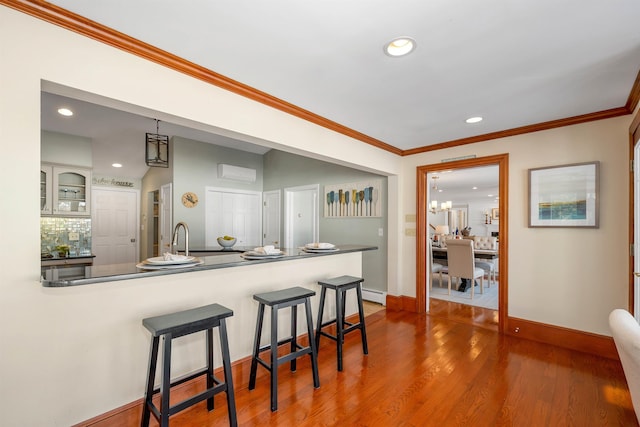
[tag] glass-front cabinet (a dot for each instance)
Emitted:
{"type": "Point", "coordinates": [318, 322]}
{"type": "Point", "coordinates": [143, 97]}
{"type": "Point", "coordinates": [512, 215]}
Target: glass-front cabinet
{"type": "Point", "coordinates": [65, 190]}
{"type": "Point", "coordinates": [46, 184]}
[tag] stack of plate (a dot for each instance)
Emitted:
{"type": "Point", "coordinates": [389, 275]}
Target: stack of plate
{"type": "Point", "coordinates": [319, 248]}
{"type": "Point", "coordinates": [261, 255]}
{"type": "Point", "coordinates": [159, 263]}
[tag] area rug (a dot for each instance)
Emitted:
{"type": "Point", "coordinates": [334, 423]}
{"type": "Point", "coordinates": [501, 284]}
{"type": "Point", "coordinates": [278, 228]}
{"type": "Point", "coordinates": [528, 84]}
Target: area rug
{"type": "Point", "coordinates": [488, 299]}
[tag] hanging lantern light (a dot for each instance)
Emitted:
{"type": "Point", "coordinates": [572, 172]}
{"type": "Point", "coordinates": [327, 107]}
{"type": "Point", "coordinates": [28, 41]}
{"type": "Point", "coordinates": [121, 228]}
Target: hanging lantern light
{"type": "Point", "coordinates": [157, 148]}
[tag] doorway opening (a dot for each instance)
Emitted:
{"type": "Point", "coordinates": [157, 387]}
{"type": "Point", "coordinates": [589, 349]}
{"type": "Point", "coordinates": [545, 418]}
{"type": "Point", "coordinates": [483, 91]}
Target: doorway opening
{"type": "Point", "coordinates": [422, 229]}
{"type": "Point", "coordinates": [302, 222]}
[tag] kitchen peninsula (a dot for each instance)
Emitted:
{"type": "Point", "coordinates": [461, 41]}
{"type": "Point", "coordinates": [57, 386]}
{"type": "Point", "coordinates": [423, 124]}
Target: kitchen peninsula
{"type": "Point", "coordinates": [107, 308]}
{"type": "Point", "coordinates": [219, 258]}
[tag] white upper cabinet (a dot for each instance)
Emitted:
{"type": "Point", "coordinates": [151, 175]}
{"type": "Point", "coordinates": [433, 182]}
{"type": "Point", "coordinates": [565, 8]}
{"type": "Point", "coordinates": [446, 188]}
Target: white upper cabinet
{"type": "Point", "coordinates": [65, 190]}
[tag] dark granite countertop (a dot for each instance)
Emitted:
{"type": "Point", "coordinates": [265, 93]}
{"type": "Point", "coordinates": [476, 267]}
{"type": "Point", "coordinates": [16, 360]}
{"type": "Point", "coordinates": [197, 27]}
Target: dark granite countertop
{"type": "Point", "coordinates": [220, 259]}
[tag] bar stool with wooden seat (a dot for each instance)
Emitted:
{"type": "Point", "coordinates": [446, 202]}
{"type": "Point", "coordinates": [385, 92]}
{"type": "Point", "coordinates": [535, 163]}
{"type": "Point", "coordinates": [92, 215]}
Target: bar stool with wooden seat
{"type": "Point", "coordinates": [341, 285]}
{"type": "Point", "coordinates": [174, 325]}
{"type": "Point", "coordinates": [284, 298]}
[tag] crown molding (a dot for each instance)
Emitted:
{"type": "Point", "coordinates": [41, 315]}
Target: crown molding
{"type": "Point", "coordinates": [600, 115]}
{"type": "Point", "coordinates": [81, 25]}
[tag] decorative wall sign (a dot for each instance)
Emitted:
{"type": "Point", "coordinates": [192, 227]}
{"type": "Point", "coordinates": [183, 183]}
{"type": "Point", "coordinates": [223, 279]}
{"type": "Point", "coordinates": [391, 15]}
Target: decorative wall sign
{"type": "Point", "coordinates": [564, 196]}
{"type": "Point", "coordinates": [357, 199]}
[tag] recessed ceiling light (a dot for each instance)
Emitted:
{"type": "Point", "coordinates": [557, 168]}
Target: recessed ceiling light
{"type": "Point", "coordinates": [474, 188]}
{"type": "Point", "coordinates": [400, 46]}
{"type": "Point", "coordinates": [116, 165]}
{"type": "Point", "coordinates": [65, 112]}
{"type": "Point", "coordinates": [476, 119]}
{"type": "Point", "coordinates": [489, 195]}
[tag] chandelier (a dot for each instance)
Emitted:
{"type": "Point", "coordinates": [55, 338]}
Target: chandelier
{"type": "Point", "coordinates": [445, 206]}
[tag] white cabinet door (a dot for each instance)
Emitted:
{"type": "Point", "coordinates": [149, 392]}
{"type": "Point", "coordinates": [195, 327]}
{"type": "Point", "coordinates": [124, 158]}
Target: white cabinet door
{"type": "Point", "coordinates": [234, 213]}
{"type": "Point", "coordinates": [65, 190]}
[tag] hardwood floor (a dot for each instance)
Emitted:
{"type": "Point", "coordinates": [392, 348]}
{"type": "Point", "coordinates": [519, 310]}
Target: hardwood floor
{"type": "Point", "coordinates": [427, 370]}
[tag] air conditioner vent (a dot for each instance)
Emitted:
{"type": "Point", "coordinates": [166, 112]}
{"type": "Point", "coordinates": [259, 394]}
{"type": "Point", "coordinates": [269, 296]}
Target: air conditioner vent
{"type": "Point", "coordinates": [236, 173]}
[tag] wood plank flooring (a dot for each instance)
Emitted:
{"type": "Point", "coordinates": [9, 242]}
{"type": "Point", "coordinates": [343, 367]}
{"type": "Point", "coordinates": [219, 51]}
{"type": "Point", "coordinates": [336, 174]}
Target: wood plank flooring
{"type": "Point", "coordinates": [448, 368]}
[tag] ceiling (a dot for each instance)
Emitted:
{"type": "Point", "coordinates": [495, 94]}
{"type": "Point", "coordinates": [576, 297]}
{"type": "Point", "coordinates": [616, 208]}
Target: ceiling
{"type": "Point", "coordinates": [118, 136]}
{"type": "Point", "coordinates": [514, 63]}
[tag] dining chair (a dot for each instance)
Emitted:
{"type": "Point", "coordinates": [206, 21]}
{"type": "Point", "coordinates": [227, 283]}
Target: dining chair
{"type": "Point", "coordinates": [461, 264]}
{"type": "Point", "coordinates": [435, 268]}
{"type": "Point", "coordinates": [490, 243]}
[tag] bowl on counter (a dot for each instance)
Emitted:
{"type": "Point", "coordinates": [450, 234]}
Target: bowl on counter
{"type": "Point", "coordinates": [226, 243]}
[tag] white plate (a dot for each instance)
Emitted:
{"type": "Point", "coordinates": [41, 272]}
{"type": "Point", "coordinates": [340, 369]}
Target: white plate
{"type": "Point", "coordinates": [319, 251]}
{"type": "Point", "coordinates": [324, 246]}
{"type": "Point", "coordinates": [255, 255]}
{"type": "Point", "coordinates": [144, 266]}
{"type": "Point", "coordinates": [159, 260]}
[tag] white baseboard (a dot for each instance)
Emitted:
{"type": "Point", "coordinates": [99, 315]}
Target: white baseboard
{"type": "Point", "coordinates": [374, 296]}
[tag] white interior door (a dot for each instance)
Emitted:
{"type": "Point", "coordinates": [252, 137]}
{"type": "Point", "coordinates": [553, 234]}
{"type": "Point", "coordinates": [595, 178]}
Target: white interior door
{"type": "Point", "coordinates": [115, 225]}
{"type": "Point", "coordinates": [302, 215]}
{"type": "Point", "coordinates": [236, 213]}
{"type": "Point", "coordinates": [166, 218]}
{"type": "Point", "coordinates": [271, 218]}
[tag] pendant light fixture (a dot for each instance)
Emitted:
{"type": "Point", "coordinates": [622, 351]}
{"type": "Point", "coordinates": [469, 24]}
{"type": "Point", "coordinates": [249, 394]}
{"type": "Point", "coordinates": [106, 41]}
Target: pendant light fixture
{"type": "Point", "coordinates": [157, 148]}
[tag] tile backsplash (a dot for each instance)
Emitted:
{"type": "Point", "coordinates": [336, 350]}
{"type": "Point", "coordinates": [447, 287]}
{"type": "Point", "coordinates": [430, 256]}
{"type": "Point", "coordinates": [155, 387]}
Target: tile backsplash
{"type": "Point", "coordinates": [74, 232]}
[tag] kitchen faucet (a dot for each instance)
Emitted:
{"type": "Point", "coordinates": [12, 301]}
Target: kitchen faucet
{"type": "Point", "coordinates": [186, 237]}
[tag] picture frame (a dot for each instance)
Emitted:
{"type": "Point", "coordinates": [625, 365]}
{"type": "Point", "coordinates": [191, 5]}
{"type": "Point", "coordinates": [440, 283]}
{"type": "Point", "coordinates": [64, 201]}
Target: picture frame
{"type": "Point", "coordinates": [564, 196]}
{"type": "Point", "coordinates": [495, 214]}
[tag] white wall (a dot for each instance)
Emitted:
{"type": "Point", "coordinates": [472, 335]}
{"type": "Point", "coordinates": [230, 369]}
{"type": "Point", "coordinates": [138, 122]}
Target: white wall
{"type": "Point", "coordinates": [76, 353]}
{"type": "Point", "coordinates": [567, 277]}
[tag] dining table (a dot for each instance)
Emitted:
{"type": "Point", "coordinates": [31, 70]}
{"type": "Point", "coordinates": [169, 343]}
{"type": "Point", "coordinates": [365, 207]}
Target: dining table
{"type": "Point", "coordinates": [441, 253]}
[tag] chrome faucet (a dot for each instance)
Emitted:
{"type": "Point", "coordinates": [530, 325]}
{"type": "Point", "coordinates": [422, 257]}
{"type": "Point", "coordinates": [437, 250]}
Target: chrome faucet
{"type": "Point", "coordinates": [186, 237]}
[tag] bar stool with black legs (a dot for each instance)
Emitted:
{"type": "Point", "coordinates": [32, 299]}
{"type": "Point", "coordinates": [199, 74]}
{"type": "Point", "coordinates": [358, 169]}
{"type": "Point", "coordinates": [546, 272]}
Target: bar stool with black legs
{"type": "Point", "coordinates": [174, 325]}
{"type": "Point", "coordinates": [277, 300]}
{"type": "Point", "coordinates": [341, 285]}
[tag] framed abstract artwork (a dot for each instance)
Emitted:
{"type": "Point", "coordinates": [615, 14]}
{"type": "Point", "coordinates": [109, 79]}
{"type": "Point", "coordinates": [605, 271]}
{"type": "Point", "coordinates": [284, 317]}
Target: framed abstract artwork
{"type": "Point", "coordinates": [564, 196]}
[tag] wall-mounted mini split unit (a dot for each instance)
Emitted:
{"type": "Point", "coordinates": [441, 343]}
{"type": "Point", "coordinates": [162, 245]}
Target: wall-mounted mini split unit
{"type": "Point", "coordinates": [236, 173]}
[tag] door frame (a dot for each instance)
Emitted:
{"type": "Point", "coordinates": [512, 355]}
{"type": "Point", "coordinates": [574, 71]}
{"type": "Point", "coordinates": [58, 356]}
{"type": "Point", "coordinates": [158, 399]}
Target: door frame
{"type": "Point", "coordinates": [422, 232]}
{"type": "Point", "coordinates": [634, 210]}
